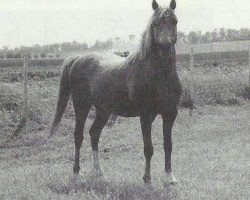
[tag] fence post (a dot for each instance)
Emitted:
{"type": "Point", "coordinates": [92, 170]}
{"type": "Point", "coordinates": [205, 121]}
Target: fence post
{"type": "Point", "coordinates": [25, 99]}
{"type": "Point", "coordinates": [249, 66]}
{"type": "Point", "coordinates": [191, 53]}
{"type": "Point", "coordinates": [25, 87]}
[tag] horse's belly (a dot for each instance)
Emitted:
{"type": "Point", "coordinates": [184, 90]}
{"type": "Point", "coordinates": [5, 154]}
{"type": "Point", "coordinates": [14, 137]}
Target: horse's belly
{"type": "Point", "coordinates": [127, 110]}
{"type": "Point", "coordinates": [122, 107]}
{"type": "Point", "coordinates": [119, 104]}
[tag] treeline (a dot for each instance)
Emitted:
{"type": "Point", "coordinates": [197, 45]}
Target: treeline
{"type": "Point", "coordinates": [217, 35]}
{"type": "Point", "coordinates": [54, 50]}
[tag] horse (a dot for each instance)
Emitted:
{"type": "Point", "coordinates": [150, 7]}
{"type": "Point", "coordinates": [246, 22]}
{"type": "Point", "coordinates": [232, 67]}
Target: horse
{"type": "Point", "coordinates": [144, 84]}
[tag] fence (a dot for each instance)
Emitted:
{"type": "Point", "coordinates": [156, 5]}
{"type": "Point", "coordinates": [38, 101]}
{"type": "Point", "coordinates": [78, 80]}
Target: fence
{"type": "Point", "coordinates": [26, 75]}
{"type": "Point", "coordinates": [216, 59]}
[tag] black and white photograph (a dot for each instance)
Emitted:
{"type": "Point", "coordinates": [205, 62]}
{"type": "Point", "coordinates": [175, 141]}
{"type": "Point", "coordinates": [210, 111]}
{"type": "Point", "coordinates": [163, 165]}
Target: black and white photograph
{"type": "Point", "coordinates": [124, 100]}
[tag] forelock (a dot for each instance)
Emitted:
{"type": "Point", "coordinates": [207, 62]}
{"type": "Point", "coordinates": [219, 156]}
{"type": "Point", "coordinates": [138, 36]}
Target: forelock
{"type": "Point", "coordinates": [167, 12]}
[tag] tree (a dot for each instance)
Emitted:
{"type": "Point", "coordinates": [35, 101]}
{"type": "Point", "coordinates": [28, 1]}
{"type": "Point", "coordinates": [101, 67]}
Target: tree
{"type": "Point", "coordinates": [214, 36]}
{"type": "Point", "coordinates": [43, 55]}
{"type": "Point", "coordinates": [193, 37]}
{"type": "Point", "coordinates": [208, 35]}
{"type": "Point", "coordinates": [204, 39]}
{"type": "Point", "coordinates": [84, 46]}
{"type": "Point", "coordinates": [181, 37]}
{"type": "Point", "coordinates": [10, 54]}
{"type": "Point", "coordinates": [229, 36]}
{"type": "Point", "coordinates": [25, 50]}
{"type": "Point", "coordinates": [65, 46]}
{"type": "Point", "coordinates": [17, 55]}
{"type": "Point", "coordinates": [222, 34]}
{"type": "Point", "coordinates": [244, 34]}
{"type": "Point", "coordinates": [99, 45]}
{"type": "Point", "coordinates": [108, 44]}
{"type": "Point", "coordinates": [75, 46]}
{"type": "Point", "coordinates": [36, 49]}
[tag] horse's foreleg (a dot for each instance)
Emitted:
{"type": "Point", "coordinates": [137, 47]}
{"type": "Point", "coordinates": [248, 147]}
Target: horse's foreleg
{"type": "Point", "coordinates": [95, 132]}
{"type": "Point", "coordinates": [168, 121]}
{"type": "Point", "coordinates": [146, 125]}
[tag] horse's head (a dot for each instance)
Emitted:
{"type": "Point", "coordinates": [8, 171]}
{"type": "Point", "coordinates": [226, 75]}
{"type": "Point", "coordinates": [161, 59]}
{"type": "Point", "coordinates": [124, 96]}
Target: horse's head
{"type": "Point", "coordinates": [164, 25]}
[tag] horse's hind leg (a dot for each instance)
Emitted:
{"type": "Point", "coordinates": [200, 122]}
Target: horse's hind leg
{"type": "Point", "coordinates": [81, 107]}
{"type": "Point", "coordinates": [95, 132]}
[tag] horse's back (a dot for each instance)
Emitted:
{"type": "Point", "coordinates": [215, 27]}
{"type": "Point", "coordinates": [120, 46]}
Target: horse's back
{"type": "Point", "coordinates": [95, 69]}
{"type": "Point", "coordinates": [94, 64]}
{"type": "Point", "coordinates": [103, 60]}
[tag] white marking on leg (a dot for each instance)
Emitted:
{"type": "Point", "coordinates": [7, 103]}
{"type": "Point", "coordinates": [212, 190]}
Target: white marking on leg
{"type": "Point", "coordinates": [95, 160]}
{"type": "Point", "coordinates": [169, 179]}
{"type": "Point", "coordinates": [97, 171]}
{"type": "Point", "coordinates": [74, 182]}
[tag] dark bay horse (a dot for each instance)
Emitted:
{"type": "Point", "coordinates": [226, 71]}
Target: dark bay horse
{"type": "Point", "coordinates": [144, 84]}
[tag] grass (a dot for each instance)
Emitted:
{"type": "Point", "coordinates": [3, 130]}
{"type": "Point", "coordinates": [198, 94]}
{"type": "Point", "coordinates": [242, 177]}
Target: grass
{"type": "Point", "coordinates": [210, 156]}
{"type": "Point", "coordinates": [213, 86]}
{"type": "Point", "coordinates": [210, 160]}
{"type": "Point", "coordinates": [33, 62]}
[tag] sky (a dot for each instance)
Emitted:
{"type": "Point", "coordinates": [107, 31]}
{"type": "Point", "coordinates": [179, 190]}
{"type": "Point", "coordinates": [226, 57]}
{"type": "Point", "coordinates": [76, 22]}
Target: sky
{"type": "Point", "coordinates": [30, 22]}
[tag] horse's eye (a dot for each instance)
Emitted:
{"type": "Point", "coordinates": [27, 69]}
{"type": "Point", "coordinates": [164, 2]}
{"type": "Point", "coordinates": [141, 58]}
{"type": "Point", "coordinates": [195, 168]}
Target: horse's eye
{"type": "Point", "coordinates": [175, 22]}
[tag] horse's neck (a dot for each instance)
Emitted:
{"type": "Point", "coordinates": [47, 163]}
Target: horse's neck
{"type": "Point", "coordinates": [161, 60]}
{"type": "Point", "coordinates": [144, 63]}
{"type": "Point", "coordinates": [148, 70]}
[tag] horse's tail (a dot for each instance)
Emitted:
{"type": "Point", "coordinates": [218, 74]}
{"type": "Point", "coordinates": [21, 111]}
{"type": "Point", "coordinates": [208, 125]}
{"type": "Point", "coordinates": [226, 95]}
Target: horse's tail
{"type": "Point", "coordinates": [63, 96]}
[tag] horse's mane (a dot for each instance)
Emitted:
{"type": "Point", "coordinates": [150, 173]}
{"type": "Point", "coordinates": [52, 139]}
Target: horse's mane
{"type": "Point", "coordinates": [145, 47]}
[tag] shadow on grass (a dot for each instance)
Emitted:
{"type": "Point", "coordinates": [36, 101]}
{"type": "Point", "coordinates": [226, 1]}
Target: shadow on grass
{"type": "Point", "coordinates": [113, 190]}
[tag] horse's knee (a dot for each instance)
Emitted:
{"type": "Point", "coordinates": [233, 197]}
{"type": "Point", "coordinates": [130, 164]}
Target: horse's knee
{"type": "Point", "coordinates": [94, 137]}
{"type": "Point", "coordinates": [78, 140]}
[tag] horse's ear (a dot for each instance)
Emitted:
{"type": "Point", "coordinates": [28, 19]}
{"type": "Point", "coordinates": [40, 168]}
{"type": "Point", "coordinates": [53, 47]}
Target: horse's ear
{"type": "Point", "coordinates": [173, 4]}
{"type": "Point", "coordinates": [155, 5]}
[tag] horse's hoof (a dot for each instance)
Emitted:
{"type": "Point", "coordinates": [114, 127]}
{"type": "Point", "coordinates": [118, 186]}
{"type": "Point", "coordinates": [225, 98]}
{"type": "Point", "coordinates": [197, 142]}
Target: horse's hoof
{"type": "Point", "coordinates": [149, 185]}
{"type": "Point", "coordinates": [169, 180]}
{"type": "Point", "coordinates": [74, 182]}
{"type": "Point", "coordinates": [147, 179]}
{"type": "Point", "coordinates": [96, 173]}
{"type": "Point", "coordinates": [167, 184]}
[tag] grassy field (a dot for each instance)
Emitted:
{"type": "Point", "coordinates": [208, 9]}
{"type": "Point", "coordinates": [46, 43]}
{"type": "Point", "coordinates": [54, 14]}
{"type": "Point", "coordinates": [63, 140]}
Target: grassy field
{"type": "Point", "coordinates": [210, 160]}
{"type": "Point", "coordinates": [210, 156]}
{"type": "Point", "coordinates": [228, 46]}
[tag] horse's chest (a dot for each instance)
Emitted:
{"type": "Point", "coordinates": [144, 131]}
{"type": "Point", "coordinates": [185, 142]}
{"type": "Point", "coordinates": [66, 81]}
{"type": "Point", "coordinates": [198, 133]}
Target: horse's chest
{"type": "Point", "coordinates": [168, 94]}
